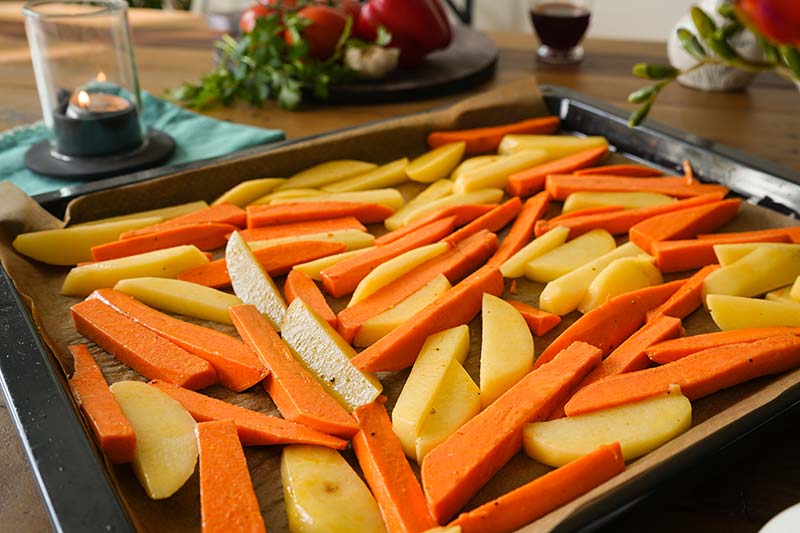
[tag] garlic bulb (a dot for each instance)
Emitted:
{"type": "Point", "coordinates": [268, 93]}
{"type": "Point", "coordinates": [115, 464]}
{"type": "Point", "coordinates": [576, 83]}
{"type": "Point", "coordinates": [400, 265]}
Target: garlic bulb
{"type": "Point", "coordinates": [372, 62]}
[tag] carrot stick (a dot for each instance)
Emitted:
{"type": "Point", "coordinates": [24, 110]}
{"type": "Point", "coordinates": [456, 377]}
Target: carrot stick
{"type": "Point", "coordinates": [521, 231]}
{"type": "Point", "coordinates": [236, 366]}
{"type": "Point", "coordinates": [227, 499]}
{"type": "Point", "coordinates": [686, 299]}
{"type": "Point", "coordinates": [254, 428]}
{"type": "Point", "coordinates": [793, 232]}
{"type": "Point", "coordinates": [463, 213]}
{"type": "Point", "coordinates": [298, 396]}
{"type": "Point", "coordinates": [206, 236]}
{"type": "Point", "coordinates": [134, 345]}
{"type": "Point", "coordinates": [114, 434]}
{"type": "Point", "coordinates": [683, 224]}
{"type": "Point", "coordinates": [277, 260]}
{"type": "Point", "coordinates": [532, 180]}
{"type": "Point", "coordinates": [688, 171]}
{"type": "Point", "coordinates": [600, 209]}
{"type": "Point", "coordinates": [343, 277]}
{"type": "Point", "coordinates": [698, 375]}
{"type": "Point", "coordinates": [456, 469]}
{"type": "Point", "coordinates": [621, 222]}
{"type": "Point", "coordinates": [388, 473]}
{"type": "Point", "coordinates": [494, 220]}
{"type": "Point", "coordinates": [461, 260]}
{"type": "Point", "coordinates": [689, 254]}
{"type": "Point", "coordinates": [562, 185]}
{"type": "Point", "coordinates": [302, 228]}
{"type": "Point", "coordinates": [286, 213]}
{"type": "Point", "coordinates": [217, 214]}
{"type": "Point", "coordinates": [672, 350]}
{"type": "Point", "coordinates": [633, 171]}
{"type": "Point", "coordinates": [481, 140]}
{"type": "Point", "coordinates": [459, 305]}
{"type": "Point", "coordinates": [539, 322]}
{"type": "Point", "coordinates": [298, 285]}
{"type": "Point", "coordinates": [547, 493]}
{"type": "Point", "coordinates": [609, 324]}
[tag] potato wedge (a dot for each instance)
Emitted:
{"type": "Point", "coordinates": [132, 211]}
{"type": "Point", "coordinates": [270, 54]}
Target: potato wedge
{"type": "Point", "coordinates": [391, 198]}
{"type": "Point", "coordinates": [484, 196]}
{"type": "Point", "coordinates": [327, 356]}
{"type": "Point", "coordinates": [471, 164]}
{"type": "Point", "coordinates": [381, 325]}
{"type": "Point", "coordinates": [564, 294]}
{"type": "Point", "coordinates": [166, 446]}
{"type": "Point", "coordinates": [514, 267]}
{"type": "Point", "coordinates": [496, 173]}
{"type": "Point", "coordinates": [436, 190]}
{"type": "Point", "coordinates": [506, 348]}
{"type": "Point", "coordinates": [352, 238]}
{"type": "Point", "coordinates": [313, 269]}
{"type": "Point", "coordinates": [70, 246]}
{"type": "Point", "coordinates": [322, 492]}
{"type": "Point", "coordinates": [182, 297]}
{"type": "Point", "coordinates": [639, 427]}
{"type": "Point", "coordinates": [569, 256]}
{"type": "Point", "coordinates": [727, 254]}
{"type": "Point", "coordinates": [629, 200]}
{"type": "Point", "coordinates": [795, 292]}
{"type": "Point", "coordinates": [784, 294]}
{"type": "Point", "coordinates": [288, 194]}
{"type": "Point", "coordinates": [620, 276]}
{"type": "Point", "coordinates": [248, 191]}
{"type": "Point", "coordinates": [436, 164]}
{"type": "Point", "coordinates": [738, 312]}
{"type": "Point", "coordinates": [251, 283]}
{"type": "Point", "coordinates": [388, 175]}
{"type": "Point", "coordinates": [164, 213]}
{"type": "Point", "coordinates": [762, 270]}
{"type": "Point", "coordinates": [326, 173]}
{"type": "Point", "coordinates": [554, 146]}
{"type": "Point", "coordinates": [166, 263]}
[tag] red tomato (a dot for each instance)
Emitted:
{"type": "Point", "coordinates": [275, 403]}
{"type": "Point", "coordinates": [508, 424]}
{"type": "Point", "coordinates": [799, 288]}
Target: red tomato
{"type": "Point", "coordinates": [349, 7]}
{"type": "Point", "coordinates": [327, 25]}
{"type": "Point", "coordinates": [256, 11]}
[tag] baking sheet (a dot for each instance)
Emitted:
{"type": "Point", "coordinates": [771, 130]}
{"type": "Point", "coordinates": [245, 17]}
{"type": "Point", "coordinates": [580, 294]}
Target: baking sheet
{"type": "Point", "coordinates": [379, 143]}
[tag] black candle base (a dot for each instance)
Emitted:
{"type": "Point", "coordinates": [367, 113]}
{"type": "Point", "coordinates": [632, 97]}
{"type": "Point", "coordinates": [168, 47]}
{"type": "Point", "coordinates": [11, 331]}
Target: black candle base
{"type": "Point", "coordinates": [158, 150]}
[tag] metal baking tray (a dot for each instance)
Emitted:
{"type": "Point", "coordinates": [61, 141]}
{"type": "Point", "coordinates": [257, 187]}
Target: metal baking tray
{"type": "Point", "coordinates": [72, 476]}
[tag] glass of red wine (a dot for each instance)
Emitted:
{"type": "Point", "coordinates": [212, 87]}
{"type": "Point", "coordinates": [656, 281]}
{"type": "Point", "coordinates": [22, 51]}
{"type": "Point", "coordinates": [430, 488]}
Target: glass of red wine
{"type": "Point", "coordinates": [560, 25]}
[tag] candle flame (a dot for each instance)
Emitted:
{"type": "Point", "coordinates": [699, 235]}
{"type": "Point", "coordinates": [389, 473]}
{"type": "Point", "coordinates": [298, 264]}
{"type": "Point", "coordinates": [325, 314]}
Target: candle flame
{"type": "Point", "coordinates": [83, 99]}
{"type": "Point", "coordinates": [101, 76]}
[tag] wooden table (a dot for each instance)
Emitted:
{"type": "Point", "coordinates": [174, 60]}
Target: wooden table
{"type": "Point", "coordinates": [736, 490]}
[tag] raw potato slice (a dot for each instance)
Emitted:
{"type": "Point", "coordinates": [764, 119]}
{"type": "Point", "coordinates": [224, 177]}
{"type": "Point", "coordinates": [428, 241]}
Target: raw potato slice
{"type": "Point", "coordinates": [388, 175]}
{"type": "Point", "coordinates": [164, 213]}
{"type": "Point", "coordinates": [728, 254]}
{"type": "Point", "coordinates": [381, 325]}
{"type": "Point", "coordinates": [166, 263]}
{"type": "Point", "coordinates": [352, 238]}
{"type": "Point", "coordinates": [563, 295]}
{"type": "Point", "coordinates": [423, 383]}
{"type": "Point", "coordinates": [781, 295]}
{"type": "Point", "coordinates": [458, 400]}
{"type": "Point", "coordinates": [322, 492]}
{"type": "Point", "coordinates": [737, 312]}
{"type": "Point", "coordinates": [327, 356]}
{"type": "Point", "coordinates": [471, 164]}
{"type": "Point", "coordinates": [514, 267]}
{"type": "Point", "coordinates": [436, 164]}
{"type": "Point", "coordinates": [570, 255]}
{"type": "Point", "coordinates": [69, 246]}
{"type": "Point", "coordinates": [249, 191]}
{"type": "Point", "coordinates": [313, 269]}
{"type": "Point", "coordinates": [251, 283]}
{"type": "Point", "coordinates": [391, 198]}
{"type": "Point", "coordinates": [760, 271]}
{"type": "Point", "coordinates": [180, 297]}
{"type": "Point", "coordinates": [622, 275]}
{"type": "Point", "coordinates": [326, 173]}
{"type": "Point", "coordinates": [392, 269]}
{"type": "Point", "coordinates": [166, 446]}
{"type": "Point", "coordinates": [555, 146]}
{"type": "Point", "coordinates": [496, 173]}
{"type": "Point", "coordinates": [436, 190]}
{"type": "Point", "coordinates": [485, 196]}
{"type": "Point", "coordinates": [629, 200]}
{"type": "Point", "coordinates": [639, 427]}
{"type": "Point", "coordinates": [506, 348]}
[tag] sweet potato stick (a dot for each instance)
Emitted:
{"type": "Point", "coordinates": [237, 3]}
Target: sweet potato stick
{"type": "Point", "coordinates": [463, 214]}
{"type": "Point", "coordinates": [599, 210]}
{"type": "Point", "coordinates": [672, 350]}
{"type": "Point", "coordinates": [254, 428]}
{"type": "Point", "coordinates": [539, 322]}
{"type": "Point", "coordinates": [532, 180]}
{"type": "Point", "coordinates": [459, 305]}
{"type": "Point", "coordinates": [689, 254]}
{"type": "Point", "coordinates": [494, 221]}
{"type": "Point", "coordinates": [144, 351]}
{"type": "Point", "coordinates": [388, 473]}
{"type": "Point", "coordinates": [114, 434]}
{"type": "Point", "coordinates": [562, 185]}
{"type": "Point", "coordinates": [686, 299]}
{"type": "Point", "coordinates": [268, 215]}
{"type": "Point", "coordinates": [544, 494]}
{"type": "Point", "coordinates": [481, 140]}
{"type": "Point", "coordinates": [456, 469]}
{"type": "Point", "coordinates": [237, 367]}
{"type": "Point", "coordinates": [298, 396]}
{"type": "Point", "coordinates": [298, 285]}
{"type": "Point", "coordinates": [227, 499]}
{"type": "Point", "coordinates": [522, 230]}
{"type": "Point", "coordinates": [302, 228]}
{"type": "Point", "coordinates": [698, 375]}
{"type": "Point", "coordinates": [207, 236]}
{"type": "Point", "coordinates": [792, 231]}
{"type": "Point", "coordinates": [217, 214]}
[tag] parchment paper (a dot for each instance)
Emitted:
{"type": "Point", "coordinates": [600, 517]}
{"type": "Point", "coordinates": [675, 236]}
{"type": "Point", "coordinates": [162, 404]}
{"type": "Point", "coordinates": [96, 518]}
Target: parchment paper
{"type": "Point", "coordinates": [379, 143]}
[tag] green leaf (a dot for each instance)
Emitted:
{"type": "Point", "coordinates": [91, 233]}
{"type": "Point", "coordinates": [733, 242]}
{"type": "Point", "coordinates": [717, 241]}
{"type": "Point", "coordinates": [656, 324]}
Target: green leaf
{"type": "Point", "coordinates": [704, 24]}
{"type": "Point", "coordinates": [791, 58]}
{"type": "Point", "coordinates": [728, 11]}
{"type": "Point", "coordinates": [691, 44]}
{"type": "Point", "coordinates": [770, 51]}
{"type": "Point", "coordinates": [640, 114]}
{"type": "Point", "coordinates": [642, 95]}
{"type": "Point", "coordinates": [654, 72]}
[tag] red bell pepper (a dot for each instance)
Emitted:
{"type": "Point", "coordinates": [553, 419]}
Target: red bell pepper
{"type": "Point", "coordinates": [418, 27]}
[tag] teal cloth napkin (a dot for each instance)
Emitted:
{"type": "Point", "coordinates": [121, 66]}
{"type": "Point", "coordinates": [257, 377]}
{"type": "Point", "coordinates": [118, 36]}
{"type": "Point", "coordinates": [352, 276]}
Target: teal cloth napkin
{"type": "Point", "coordinates": [196, 137]}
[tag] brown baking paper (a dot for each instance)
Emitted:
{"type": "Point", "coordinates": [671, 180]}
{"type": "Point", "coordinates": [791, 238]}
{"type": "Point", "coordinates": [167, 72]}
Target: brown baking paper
{"type": "Point", "coordinates": [381, 142]}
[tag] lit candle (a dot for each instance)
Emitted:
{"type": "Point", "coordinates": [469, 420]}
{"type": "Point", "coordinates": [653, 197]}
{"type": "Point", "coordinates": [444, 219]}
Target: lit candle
{"type": "Point", "coordinates": [84, 104]}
